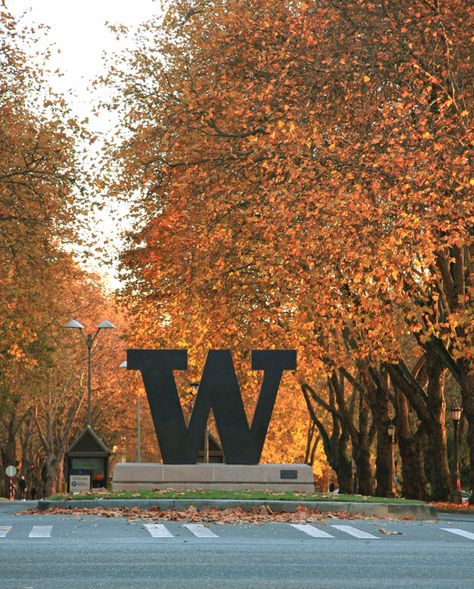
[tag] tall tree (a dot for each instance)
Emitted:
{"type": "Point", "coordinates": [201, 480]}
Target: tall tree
{"type": "Point", "coordinates": [40, 393]}
{"type": "Point", "coordinates": [303, 168]}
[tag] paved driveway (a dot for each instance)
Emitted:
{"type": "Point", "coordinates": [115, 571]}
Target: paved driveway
{"type": "Point", "coordinates": [60, 551]}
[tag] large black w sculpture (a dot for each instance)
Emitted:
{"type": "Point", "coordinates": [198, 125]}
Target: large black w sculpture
{"type": "Point", "coordinates": [219, 391]}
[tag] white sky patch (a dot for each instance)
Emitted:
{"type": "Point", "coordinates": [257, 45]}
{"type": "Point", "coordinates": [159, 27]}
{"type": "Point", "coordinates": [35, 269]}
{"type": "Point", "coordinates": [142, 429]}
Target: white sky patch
{"type": "Point", "coordinates": [79, 32]}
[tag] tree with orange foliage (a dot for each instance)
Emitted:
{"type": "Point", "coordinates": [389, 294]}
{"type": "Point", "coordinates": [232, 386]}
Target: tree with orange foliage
{"type": "Point", "coordinates": [304, 172]}
{"type": "Point", "coordinates": [36, 179]}
{"type": "Point", "coordinates": [41, 378]}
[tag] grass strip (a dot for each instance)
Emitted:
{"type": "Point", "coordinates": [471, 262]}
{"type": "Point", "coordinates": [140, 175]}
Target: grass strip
{"type": "Point", "coordinates": [233, 495]}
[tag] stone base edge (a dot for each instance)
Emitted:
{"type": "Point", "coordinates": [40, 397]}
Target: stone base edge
{"type": "Point", "coordinates": [271, 477]}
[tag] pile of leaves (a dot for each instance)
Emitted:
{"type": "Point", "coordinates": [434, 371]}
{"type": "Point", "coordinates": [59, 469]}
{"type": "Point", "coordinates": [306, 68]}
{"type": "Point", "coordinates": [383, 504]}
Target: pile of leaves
{"type": "Point", "coordinates": [446, 506]}
{"type": "Point", "coordinates": [237, 515]}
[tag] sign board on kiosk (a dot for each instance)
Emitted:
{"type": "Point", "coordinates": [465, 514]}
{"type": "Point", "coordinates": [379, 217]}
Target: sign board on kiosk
{"type": "Point", "coordinates": [79, 481]}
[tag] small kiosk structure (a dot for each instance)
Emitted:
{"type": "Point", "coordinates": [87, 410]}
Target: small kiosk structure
{"type": "Point", "coordinates": [87, 462]}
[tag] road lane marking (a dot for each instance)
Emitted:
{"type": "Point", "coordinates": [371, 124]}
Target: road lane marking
{"type": "Point", "coordinates": [355, 532]}
{"type": "Point", "coordinates": [158, 531]}
{"type": "Point", "coordinates": [40, 532]}
{"type": "Point", "coordinates": [311, 531]}
{"type": "Point", "coordinates": [4, 531]}
{"type": "Point", "coordinates": [200, 531]}
{"type": "Point", "coordinates": [459, 532]}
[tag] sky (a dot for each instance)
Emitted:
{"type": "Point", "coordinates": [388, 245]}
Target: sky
{"type": "Point", "coordinates": [78, 30]}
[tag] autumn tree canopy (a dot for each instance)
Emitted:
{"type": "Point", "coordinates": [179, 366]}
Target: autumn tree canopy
{"type": "Point", "coordinates": [299, 174]}
{"type": "Point", "coordinates": [304, 172]}
{"type": "Point", "coordinates": [42, 372]}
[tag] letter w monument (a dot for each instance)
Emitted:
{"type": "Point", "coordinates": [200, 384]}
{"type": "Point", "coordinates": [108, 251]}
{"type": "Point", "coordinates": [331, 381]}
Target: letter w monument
{"type": "Point", "coordinates": [218, 391]}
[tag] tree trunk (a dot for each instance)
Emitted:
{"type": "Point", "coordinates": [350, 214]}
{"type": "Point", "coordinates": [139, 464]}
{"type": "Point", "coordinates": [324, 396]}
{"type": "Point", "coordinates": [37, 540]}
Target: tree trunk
{"type": "Point", "coordinates": [59, 475]}
{"type": "Point", "coordinates": [430, 408]}
{"type": "Point", "coordinates": [384, 463]}
{"type": "Point", "coordinates": [344, 466]}
{"type": "Point", "coordinates": [9, 451]}
{"type": "Point", "coordinates": [467, 393]}
{"type": "Point", "coordinates": [379, 404]}
{"type": "Point", "coordinates": [361, 437]}
{"type": "Point", "coordinates": [338, 458]}
{"type": "Point", "coordinates": [436, 428]}
{"type": "Point", "coordinates": [27, 451]}
{"type": "Point", "coordinates": [411, 447]}
{"type": "Point", "coordinates": [48, 475]}
{"type": "Point", "coordinates": [362, 453]}
{"type": "Point", "coordinates": [312, 443]}
{"type": "Point", "coordinates": [334, 442]}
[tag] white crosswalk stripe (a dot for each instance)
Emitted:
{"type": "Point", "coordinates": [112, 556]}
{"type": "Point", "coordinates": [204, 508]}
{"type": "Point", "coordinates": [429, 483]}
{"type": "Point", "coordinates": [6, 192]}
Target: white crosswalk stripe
{"type": "Point", "coordinates": [4, 531]}
{"type": "Point", "coordinates": [311, 531]}
{"type": "Point", "coordinates": [200, 531]}
{"type": "Point", "coordinates": [40, 532]}
{"type": "Point", "coordinates": [355, 532]}
{"type": "Point", "coordinates": [459, 532]}
{"type": "Point", "coordinates": [158, 531]}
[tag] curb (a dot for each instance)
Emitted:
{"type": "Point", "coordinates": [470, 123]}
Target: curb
{"type": "Point", "coordinates": [17, 502]}
{"type": "Point", "coordinates": [415, 511]}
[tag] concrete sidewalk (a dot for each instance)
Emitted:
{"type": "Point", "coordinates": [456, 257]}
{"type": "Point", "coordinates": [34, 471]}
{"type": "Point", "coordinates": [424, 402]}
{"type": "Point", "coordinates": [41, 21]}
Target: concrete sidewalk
{"type": "Point", "coordinates": [397, 510]}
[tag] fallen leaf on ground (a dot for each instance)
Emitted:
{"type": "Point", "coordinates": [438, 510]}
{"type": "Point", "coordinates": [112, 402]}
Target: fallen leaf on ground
{"type": "Point", "coordinates": [257, 515]}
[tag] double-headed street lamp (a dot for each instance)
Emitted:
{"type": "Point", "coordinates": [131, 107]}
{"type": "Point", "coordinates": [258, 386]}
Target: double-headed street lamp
{"type": "Point", "coordinates": [89, 340]}
{"type": "Point", "coordinates": [456, 412]}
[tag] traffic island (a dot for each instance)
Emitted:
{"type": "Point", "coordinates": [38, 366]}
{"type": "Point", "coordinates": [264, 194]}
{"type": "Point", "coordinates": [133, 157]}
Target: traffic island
{"type": "Point", "coordinates": [294, 505]}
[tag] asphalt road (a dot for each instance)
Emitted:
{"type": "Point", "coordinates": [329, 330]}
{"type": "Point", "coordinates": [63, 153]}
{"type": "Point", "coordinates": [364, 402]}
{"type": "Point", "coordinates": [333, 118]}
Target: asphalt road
{"type": "Point", "coordinates": [66, 551]}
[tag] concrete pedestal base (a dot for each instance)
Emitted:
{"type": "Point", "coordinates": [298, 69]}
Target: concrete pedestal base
{"type": "Point", "coordinates": [272, 477]}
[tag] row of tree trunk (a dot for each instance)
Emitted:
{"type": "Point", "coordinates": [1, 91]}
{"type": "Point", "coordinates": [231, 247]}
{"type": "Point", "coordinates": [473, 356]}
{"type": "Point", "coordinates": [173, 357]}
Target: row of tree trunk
{"type": "Point", "coordinates": [353, 415]}
{"type": "Point", "coordinates": [35, 438]}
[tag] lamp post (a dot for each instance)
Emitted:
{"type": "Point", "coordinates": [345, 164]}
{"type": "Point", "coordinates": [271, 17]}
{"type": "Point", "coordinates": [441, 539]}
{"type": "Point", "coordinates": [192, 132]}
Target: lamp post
{"type": "Point", "coordinates": [139, 443]}
{"type": "Point", "coordinates": [391, 435]}
{"type": "Point", "coordinates": [455, 482]}
{"type": "Point", "coordinates": [195, 386]}
{"type": "Point", "coordinates": [89, 341]}
{"type": "Point", "coordinates": [354, 476]}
